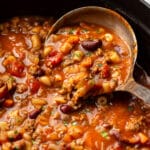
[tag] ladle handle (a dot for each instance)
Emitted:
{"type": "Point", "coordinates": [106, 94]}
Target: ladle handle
{"type": "Point", "coordinates": [138, 90]}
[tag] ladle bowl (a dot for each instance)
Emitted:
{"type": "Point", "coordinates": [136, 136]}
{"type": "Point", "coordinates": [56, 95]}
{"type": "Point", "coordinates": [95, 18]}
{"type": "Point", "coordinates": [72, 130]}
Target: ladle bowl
{"type": "Point", "coordinates": [114, 21]}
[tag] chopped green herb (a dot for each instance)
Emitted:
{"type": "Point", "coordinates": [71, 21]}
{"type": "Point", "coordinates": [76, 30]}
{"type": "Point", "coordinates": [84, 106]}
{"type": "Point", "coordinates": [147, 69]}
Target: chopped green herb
{"type": "Point", "coordinates": [57, 142]}
{"type": "Point", "coordinates": [61, 31]}
{"type": "Point", "coordinates": [74, 123]}
{"type": "Point", "coordinates": [77, 54]}
{"type": "Point", "coordinates": [92, 82]}
{"type": "Point", "coordinates": [11, 79]}
{"type": "Point", "coordinates": [90, 38]}
{"type": "Point", "coordinates": [98, 31]}
{"type": "Point", "coordinates": [33, 141]}
{"type": "Point", "coordinates": [86, 110]}
{"type": "Point", "coordinates": [65, 122]}
{"type": "Point", "coordinates": [16, 148]}
{"type": "Point", "coordinates": [99, 65]}
{"type": "Point", "coordinates": [130, 108]}
{"type": "Point", "coordinates": [16, 132]}
{"type": "Point", "coordinates": [116, 66]}
{"type": "Point", "coordinates": [52, 112]}
{"type": "Point", "coordinates": [43, 108]}
{"type": "Point", "coordinates": [18, 120]}
{"type": "Point", "coordinates": [84, 30]}
{"type": "Point", "coordinates": [88, 54]}
{"type": "Point", "coordinates": [71, 31]}
{"type": "Point", "coordinates": [104, 134]}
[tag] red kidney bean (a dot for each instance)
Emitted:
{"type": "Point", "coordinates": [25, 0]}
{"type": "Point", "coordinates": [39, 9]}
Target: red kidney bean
{"type": "Point", "coordinates": [107, 126]}
{"type": "Point", "coordinates": [91, 44]}
{"type": "Point", "coordinates": [54, 60]}
{"type": "Point", "coordinates": [17, 137]}
{"type": "Point", "coordinates": [33, 114]}
{"type": "Point", "coordinates": [39, 73]}
{"type": "Point", "coordinates": [3, 91]}
{"type": "Point", "coordinates": [66, 108]}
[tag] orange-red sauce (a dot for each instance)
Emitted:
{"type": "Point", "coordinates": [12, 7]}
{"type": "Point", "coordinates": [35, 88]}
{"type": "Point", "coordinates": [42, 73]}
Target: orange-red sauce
{"type": "Point", "coordinates": [39, 103]}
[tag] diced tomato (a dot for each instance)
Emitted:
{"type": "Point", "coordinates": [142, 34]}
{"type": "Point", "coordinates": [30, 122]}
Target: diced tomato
{"type": "Point", "coordinates": [34, 85]}
{"type": "Point", "coordinates": [54, 59]}
{"type": "Point", "coordinates": [53, 53]}
{"type": "Point", "coordinates": [16, 68]}
{"type": "Point", "coordinates": [105, 71]}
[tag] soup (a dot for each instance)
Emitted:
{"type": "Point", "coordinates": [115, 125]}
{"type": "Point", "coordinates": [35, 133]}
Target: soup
{"type": "Point", "coordinates": [48, 95]}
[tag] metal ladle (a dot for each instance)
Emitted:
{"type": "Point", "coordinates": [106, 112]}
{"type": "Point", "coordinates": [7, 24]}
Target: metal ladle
{"type": "Point", "coordinates": [112, 20]}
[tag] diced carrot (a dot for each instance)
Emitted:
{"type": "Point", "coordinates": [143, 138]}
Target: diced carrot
{"type": "Point", "coordinates": [67, 138]}
{"type": "Point", "coordinates": [143, 137]}
{"type": "Point", "coordinates": [8, 103]}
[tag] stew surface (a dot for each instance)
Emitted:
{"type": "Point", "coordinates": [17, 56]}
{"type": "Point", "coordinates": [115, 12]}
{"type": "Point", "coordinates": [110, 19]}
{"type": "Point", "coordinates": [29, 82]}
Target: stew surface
{"type": "Point", "coordinates": [93, 60]}
{"type": "Point", "coordinates": [48, 95]}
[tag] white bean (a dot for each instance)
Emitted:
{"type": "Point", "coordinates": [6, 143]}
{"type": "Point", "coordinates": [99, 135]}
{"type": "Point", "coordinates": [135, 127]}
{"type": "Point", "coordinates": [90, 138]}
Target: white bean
{"type": "Point", "coordinates": [108, 37]}
{"type": "Point", "coordinates": [36, 42]}
{"type": "Point", "coordinates": [45, 80]}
